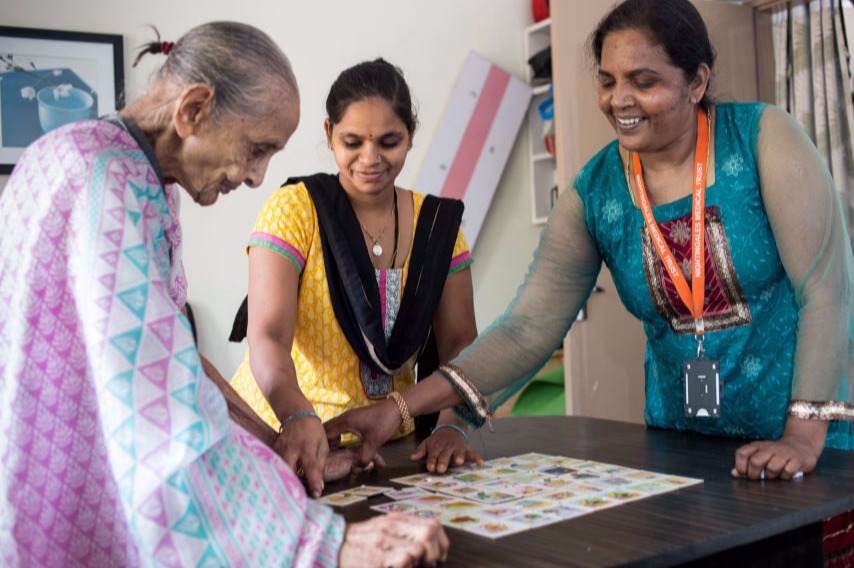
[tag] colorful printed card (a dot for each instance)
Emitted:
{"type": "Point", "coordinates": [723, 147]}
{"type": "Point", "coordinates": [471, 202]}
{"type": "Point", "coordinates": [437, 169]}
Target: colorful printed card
{"type": "Point", "coordinates": [341, 499]}
{"type": "Point", "coordinates": [355, 495]}
{"type": "Point", "coordinates": [515, 494]}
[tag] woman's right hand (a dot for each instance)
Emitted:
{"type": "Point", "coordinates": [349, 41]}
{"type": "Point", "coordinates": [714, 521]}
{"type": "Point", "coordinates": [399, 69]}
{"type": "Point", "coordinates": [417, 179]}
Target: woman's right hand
{"type": "Point", "coordinates": [373, 425]}
{"type": "Point", "coordinates": [394, 540]}
{"type": "Point", "coordinates": [302, 443]}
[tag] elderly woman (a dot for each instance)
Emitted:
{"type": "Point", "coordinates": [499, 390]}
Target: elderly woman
{"type": "Point", "coordinates": [116, 448]}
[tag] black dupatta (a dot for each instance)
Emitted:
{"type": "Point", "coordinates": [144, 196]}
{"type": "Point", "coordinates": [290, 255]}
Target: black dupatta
{"type": "Point", "coordinates": [352, 281]}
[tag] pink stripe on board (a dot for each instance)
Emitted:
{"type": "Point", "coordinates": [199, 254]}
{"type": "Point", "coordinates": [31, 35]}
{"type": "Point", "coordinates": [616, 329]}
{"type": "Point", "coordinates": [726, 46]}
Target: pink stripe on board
{"type": "Point", "coordinates": [476, 132]}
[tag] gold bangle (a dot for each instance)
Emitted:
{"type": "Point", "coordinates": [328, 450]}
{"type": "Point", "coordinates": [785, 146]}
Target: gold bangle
{"type": "Point", "coordinates": [406, 425]}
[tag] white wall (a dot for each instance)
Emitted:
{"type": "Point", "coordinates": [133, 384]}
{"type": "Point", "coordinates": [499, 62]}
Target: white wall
{"type": "Point", "coordinates": [429, 40]}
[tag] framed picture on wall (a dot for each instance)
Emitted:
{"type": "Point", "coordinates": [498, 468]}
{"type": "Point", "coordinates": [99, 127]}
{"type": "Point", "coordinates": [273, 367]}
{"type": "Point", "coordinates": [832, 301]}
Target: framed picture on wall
{"type": "Point", "coordinates": [49, 78]}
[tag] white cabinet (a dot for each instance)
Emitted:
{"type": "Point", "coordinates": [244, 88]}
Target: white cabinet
{"type": "Point", "coordinates": [543, 167]}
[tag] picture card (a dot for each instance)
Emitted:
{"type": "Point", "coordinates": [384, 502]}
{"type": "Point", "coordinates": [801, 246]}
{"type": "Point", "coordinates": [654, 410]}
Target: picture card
{"type": "Point", "coordinates": [509, 495]}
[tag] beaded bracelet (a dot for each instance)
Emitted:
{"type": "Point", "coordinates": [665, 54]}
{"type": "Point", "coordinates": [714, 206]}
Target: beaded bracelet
{"type": "Point", "coordinates": [830, 410]}
{"type": "Point", "coordinates": [471, 395]}
{"type": "Point", "coordinates": [297, 415]}
{"type": "Point", "coordinates": [451, 425]}
{"type": "Point", "coordinates": [407, 424]}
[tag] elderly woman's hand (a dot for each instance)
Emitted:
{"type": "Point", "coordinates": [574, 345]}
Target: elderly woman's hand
{"type": "Point", "coordinates": [445, 447]}
{"type": "Point", "coordinates": [339, 464]}
{"type": "Point", "coordinates": [373, 425]}
{"type": "Point", "coordinates": [394, 540]}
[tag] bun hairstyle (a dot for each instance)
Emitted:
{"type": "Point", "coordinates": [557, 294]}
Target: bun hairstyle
{"type": "Point", "coordinates": [153, 47]}
{"type": "Point", "coordinates": [369, 79]}
{"type": "Point", "coordinates": [241, 63]}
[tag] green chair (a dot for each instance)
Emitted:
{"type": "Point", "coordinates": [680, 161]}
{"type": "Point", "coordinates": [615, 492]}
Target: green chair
{"type": "Point", "coordinates": [543, 395]}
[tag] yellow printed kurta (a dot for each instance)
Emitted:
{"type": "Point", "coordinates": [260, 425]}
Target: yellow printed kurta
{"type": "Point", "coordinates": [327, 368]}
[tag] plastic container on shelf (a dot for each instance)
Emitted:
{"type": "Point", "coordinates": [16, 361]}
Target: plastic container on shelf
{"type": "Point", "coordinates": [540, 9]}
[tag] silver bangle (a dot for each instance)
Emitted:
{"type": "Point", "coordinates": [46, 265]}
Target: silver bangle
{"type": "Point", "coordinates": [297, 415]}
{"type": "Point", "coordinates": [827, 410]}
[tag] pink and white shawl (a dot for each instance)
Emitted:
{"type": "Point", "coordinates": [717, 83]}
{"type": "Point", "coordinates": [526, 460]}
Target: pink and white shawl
{"type": "Point", "coordinates": [115, 449]}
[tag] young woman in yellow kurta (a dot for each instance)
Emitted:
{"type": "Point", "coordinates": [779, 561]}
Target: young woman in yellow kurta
{"type": "Point", "coordinates": [328, 370]}
{"type": "Point", "coordinates": [301, 365]}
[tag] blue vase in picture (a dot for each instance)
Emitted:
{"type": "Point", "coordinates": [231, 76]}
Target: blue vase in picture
{"type": "Point", "coordinates": [63, 104]}
{"type": "Point", "coordinates": [21, 118]}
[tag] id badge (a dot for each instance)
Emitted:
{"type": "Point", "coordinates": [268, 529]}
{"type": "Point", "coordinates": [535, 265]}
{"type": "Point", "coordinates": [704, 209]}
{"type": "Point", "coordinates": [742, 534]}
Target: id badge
{"type": "Point", "coordinates": [702, 388]}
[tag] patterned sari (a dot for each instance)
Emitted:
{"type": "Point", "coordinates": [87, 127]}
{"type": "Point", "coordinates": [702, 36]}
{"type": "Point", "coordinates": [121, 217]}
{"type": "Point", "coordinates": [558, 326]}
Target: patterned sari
{"type": "Point", "coordinates": [115, 449]}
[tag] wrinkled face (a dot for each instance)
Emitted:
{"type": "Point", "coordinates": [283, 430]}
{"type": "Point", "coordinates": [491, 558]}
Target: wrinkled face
{"type": "Point", "coordinates": [370, 144]}
{"type": "Point", "coordinates": [231, 150]}
{"type": "Point", "coordinates": [645, 97]}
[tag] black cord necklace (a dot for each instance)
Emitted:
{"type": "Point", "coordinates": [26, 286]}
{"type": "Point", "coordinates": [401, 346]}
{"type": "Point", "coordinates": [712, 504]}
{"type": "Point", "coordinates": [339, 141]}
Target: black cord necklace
{"type": "Point", "coordinates": [396, 230]}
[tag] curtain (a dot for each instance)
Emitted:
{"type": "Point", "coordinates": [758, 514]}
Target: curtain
{"type": "Point", "coordinates": [813, 83]}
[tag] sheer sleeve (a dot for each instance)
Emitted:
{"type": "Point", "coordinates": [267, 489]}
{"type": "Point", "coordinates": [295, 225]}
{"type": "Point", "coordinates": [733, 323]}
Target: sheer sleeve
{"type": "Point", "coordinates": [806, 217]}
{"type": "Point", "coordinates": [559, 279]}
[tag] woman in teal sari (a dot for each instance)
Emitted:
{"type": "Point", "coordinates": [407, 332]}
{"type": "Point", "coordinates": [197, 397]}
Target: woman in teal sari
{"type": "Point", "coordinates": [723, 231]}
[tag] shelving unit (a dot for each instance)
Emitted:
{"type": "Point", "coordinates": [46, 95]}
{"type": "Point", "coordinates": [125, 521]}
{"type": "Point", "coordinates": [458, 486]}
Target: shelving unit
{"type": "Point", "coordinates": [543, 186]}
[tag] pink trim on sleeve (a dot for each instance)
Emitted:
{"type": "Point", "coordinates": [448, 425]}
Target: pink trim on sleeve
{"type": "Point", "coordinates": [277, 244]}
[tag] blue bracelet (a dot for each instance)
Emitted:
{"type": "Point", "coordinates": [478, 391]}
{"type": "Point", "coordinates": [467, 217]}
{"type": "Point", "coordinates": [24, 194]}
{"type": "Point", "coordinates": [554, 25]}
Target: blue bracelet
{"type": "Point", "coordinates": [297, 415]}
{"type": "Point", "coordinates": [450, 425]}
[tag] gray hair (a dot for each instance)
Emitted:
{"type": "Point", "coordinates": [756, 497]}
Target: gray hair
{"type": "Point", "coordinates": [239, 61]}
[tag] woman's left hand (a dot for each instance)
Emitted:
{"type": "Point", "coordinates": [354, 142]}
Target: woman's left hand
{"type": "Point", "coordinates": [446, 446]}
{"type": "Point", "coordinates": [796, 452]}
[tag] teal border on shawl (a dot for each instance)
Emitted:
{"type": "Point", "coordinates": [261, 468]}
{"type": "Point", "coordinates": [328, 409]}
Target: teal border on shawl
{"type": "Point", "coordinates": [210, 531]}
{"type": "Point", "coordinates": [97, 182]}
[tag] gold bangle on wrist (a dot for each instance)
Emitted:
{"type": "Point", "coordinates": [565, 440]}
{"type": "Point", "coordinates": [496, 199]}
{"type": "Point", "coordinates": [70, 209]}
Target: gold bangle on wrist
{"type": "Point", "coordinates": [406, 425]}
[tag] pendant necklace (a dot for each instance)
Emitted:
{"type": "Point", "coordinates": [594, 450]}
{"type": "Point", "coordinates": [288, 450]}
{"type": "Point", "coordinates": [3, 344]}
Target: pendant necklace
{"type": "Point", "coordinates": [377, 249]}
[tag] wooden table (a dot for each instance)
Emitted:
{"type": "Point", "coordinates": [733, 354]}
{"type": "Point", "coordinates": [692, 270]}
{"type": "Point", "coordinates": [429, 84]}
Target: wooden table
{"type": "Point", "coordinates": [722, 522]}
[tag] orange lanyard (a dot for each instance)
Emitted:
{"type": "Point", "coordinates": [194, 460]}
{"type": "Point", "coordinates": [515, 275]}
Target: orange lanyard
{"type": "Point", "coordinates": [692, 296]}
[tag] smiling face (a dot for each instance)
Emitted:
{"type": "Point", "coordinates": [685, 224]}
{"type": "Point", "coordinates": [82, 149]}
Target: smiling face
{"type": "Point", "coordinates": [370, 144]}
{"type": "Point", "coordinates": [647, 99]}
{"type": "Point", "coordinates": [228, 150]}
